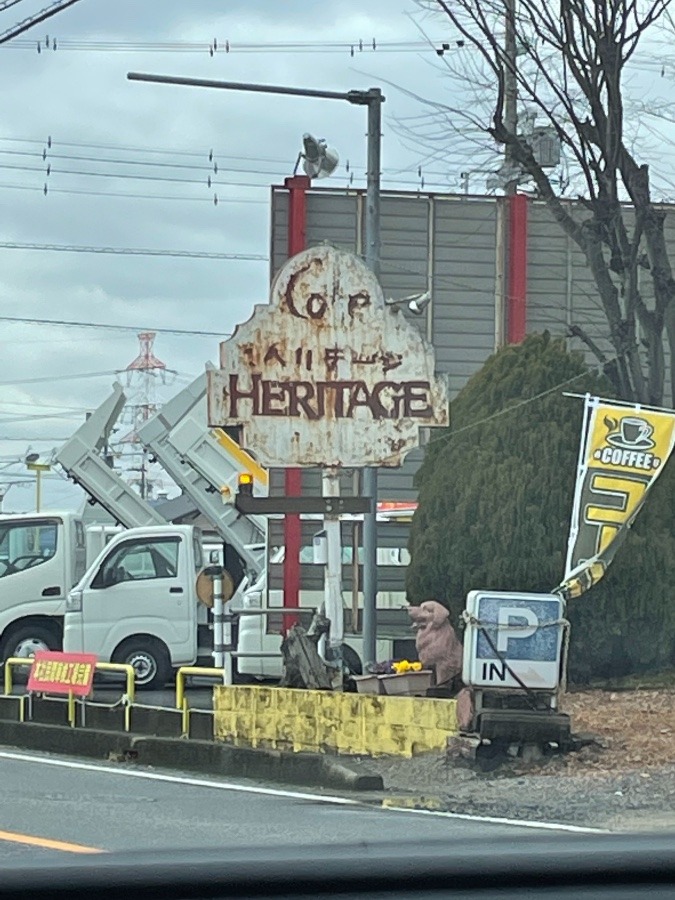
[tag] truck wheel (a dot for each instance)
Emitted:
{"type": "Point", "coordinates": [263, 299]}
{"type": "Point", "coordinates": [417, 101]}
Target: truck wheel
{"type": "Point", "coordinates": [25, 640]}
{"type": "Point", "coordinates": [150, 661]}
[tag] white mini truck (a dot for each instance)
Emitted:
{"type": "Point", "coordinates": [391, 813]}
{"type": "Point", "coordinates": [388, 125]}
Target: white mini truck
{"type": "Point", "coordinates": [137, 603]}
{"type": "Point", "coordinates": [41, 557]}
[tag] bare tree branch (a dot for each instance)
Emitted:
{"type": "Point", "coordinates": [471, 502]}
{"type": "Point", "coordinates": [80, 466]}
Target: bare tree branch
{"type": "Point", "coordinates": [572, 57]}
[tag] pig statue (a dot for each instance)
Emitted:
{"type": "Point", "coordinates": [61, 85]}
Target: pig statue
{"type": "Point", "coordinates": [438, 646]}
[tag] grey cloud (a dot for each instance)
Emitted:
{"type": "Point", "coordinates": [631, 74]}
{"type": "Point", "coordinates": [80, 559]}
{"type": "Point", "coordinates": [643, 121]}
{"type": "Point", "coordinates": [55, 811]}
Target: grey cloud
{"type": "Point", "coordinates": [85, 97]}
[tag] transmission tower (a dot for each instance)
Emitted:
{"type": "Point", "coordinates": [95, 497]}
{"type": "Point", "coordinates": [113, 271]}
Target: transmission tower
{"type": "Point", "coordinates": [141, 377]}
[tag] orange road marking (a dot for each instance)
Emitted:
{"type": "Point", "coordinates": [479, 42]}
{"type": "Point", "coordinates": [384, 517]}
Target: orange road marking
{"type": "Point", "coordinates": [46, 843]}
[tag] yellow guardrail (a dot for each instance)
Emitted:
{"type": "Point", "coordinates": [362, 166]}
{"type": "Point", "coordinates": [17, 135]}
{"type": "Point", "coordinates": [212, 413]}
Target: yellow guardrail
{"type": "Point", "coordinates": [181, 699]}
{"type": "Point", "coordinates": [127, 670]}
{"type": "Point", "coordinates": [15, 662]}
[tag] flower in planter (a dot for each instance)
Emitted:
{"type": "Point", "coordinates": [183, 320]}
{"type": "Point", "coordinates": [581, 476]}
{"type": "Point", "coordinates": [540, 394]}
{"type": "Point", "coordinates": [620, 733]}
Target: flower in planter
{"type": "Point", "coordinates": [404, 666]}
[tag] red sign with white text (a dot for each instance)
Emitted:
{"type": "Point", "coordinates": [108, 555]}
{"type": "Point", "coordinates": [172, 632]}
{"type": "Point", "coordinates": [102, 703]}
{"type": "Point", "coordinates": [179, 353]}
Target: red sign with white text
{"type": "Point", "coordinates": [62, 673]}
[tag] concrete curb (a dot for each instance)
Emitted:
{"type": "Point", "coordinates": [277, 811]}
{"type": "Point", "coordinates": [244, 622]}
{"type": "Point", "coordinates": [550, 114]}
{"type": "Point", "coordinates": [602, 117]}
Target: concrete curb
{"type": "Point", "coordinates": [306, 769]}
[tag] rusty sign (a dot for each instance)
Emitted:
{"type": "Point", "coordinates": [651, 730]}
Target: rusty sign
{"type": "Point", "coordinates": [327, 374]}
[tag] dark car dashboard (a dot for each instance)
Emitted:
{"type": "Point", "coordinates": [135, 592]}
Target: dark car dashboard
{"type": "Point", "coordinates": [555, 866]}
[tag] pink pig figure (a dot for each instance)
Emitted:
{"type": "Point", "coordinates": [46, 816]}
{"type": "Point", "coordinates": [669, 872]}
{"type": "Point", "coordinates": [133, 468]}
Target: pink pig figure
{"type": "Point", "coordinates": [438, 646]}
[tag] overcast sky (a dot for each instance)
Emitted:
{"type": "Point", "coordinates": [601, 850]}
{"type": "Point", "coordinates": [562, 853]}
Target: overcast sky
{"type": "Point", "coordinates": [129, 167]}
{"type": "Point", "coordinates": [79, 96]}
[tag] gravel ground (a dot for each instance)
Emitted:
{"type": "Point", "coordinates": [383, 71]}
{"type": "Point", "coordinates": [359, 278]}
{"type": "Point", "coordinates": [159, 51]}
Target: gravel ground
{"type": "Point", "coordinates": [625, 782]}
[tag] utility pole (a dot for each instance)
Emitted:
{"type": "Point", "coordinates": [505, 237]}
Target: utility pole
{"type": "Point", "coordinates": [372, 248]}
{"type": "Point", "coordinates": [510, 87]}
{"type": "Point", "coordinates": [505, 206]}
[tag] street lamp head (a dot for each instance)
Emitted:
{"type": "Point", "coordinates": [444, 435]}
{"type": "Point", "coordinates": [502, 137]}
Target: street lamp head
{"type": "Point", "coordinates": [319, 160]}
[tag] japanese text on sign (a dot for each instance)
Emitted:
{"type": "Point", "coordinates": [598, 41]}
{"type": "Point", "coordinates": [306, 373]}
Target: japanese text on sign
{"type": "Point", "coordinates": [62, 673]}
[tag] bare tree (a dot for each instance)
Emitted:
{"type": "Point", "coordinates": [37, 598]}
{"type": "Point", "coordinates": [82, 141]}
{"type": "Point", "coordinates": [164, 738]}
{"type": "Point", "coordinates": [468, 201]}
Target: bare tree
{"type": "Point", "coordinates": [569, 66]}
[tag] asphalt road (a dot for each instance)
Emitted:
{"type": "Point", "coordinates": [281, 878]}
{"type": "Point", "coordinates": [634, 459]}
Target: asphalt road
{"type": "Point", "coordinates": [107, 807]}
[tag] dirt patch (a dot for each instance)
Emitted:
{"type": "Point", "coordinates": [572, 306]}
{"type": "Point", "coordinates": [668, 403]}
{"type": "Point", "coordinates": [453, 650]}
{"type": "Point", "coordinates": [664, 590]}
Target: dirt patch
{"type": "Point", "coordinates": [637, 728]}
{"type": "Point", "coordinates": [624, 782]}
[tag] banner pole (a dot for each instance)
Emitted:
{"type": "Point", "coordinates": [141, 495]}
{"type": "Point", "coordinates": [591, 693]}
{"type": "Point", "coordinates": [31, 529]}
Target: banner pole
{"type": "Point", "coordinates": [581, 472]}
{"type": "Point", "coordinates": [626, 403]}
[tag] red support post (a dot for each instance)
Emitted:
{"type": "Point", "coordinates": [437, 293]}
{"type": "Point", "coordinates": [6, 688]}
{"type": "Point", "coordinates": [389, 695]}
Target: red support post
{"type": "Point", "coordinates": [517, 273]}
{"type": "Point", "coordinates": [297, 186]}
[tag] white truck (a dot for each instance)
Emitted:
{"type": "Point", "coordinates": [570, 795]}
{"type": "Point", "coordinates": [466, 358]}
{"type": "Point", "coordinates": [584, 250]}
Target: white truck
{"type": "Point", "coordinates": [257, 641]}
{"type": "Point", "coordinates": [41, 558]}
{"type": "Point", "coordinates": [81, 460]}
{"type": "Point", "coordinates": [206, 464]}
{"type": "Point", "coordinates": [137, 603]}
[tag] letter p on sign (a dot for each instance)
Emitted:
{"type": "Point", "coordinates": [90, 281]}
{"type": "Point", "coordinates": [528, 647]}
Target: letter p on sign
{"type": "Point", "coordinates": [511, 627]}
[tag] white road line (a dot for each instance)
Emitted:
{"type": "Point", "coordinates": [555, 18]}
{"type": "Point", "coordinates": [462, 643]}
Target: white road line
{"type": "Point", "coordinates": [286, 794]}
{"type": "Point", "coordinates": [177, 779]}
{"type": "Point", "coordinates": [496, 820]}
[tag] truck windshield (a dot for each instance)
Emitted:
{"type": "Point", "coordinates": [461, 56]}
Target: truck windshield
{"type": "Point", "coordinates": [24, 545]}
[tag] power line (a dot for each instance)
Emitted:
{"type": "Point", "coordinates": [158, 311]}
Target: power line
{"type": "Point", "coordinates": [206, 167]}
{"type": "Point", "coordinates": [5, 4]}
{"type": "Point", "coordinates": [107, 326]}
{"type": "Point", "coordinates": [212, 182]}
{"type": "Point", "coordinates": [516, 406]}
{"type": "Point", "coordinates": [211, 163]}
{"type": "Point", "coordinates": [208, 159]}
{"type": "Point", "coordinates": [214, 201]}
{"type": "Point", "coordinates": [43, 378]}
{"type": "Point", "coordinates": [35, 19]}
{"type": "Point", "coordinates": [225, 47]}
{"type": "Point", "coordinates": [162, 151]}
{"type": "Point", "coordinates": [134, 251]}
{"type": "Point", "coordinates": [52, 406]}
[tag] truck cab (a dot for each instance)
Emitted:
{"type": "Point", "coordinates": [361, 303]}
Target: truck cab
{"type": "Point", "coordinates": [42, 555]}
{"type": "Point", "coordinates": [137, 603]}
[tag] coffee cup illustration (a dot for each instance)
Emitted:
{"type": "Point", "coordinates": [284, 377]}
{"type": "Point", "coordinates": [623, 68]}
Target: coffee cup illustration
{"type": "Point", "coordinates": [633, 433]}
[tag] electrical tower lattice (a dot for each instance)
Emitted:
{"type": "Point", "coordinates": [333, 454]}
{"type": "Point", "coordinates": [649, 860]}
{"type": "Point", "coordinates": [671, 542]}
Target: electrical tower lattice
{"type": "Point", "coordinates": [141, 377]}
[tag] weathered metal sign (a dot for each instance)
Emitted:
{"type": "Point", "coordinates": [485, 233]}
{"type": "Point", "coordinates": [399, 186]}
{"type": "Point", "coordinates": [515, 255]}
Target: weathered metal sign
{"type": "Point", "coordinates": [327, 374]}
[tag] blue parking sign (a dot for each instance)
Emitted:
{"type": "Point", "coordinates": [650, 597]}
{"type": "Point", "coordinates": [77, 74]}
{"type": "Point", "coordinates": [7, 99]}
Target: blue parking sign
{"type": "Point", "coordinates": [512, 634]}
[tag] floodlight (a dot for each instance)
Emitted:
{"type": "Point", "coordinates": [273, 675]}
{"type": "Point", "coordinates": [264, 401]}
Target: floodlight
{"type": "Point", "coordinates": [319, 160]}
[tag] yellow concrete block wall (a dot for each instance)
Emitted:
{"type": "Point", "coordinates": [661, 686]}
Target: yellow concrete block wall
{"type": "Point", "coordinates": [326, 722]}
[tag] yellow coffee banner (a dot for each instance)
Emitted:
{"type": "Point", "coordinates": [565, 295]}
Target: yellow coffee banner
{"type": "Point", "coordinates": [624, 449]}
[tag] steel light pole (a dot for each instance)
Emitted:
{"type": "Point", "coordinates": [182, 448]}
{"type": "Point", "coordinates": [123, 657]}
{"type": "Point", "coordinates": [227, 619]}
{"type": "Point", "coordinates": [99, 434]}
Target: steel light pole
{"type": "Point", "coordinates": [373, 100]}
{"type": "Point", "coordinates": [38, 468]}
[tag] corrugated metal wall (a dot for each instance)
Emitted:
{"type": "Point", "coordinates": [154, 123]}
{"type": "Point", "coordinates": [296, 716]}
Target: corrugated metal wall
{"type": "Point", "coordinates": [449, 243]}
